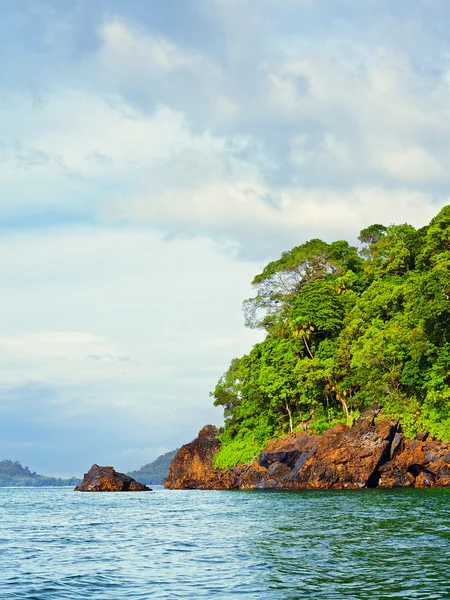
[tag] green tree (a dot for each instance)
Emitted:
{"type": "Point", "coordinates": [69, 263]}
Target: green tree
{"type": "Point", "coordinates": [345, 329]}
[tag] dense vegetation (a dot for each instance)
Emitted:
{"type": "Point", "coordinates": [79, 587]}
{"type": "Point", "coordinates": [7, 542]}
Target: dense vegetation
{"type": "Point", "coordinates": [12, 474]}
{"type": "Point", "coordinates": [345, 328]}
{"type": "Point", "coordinates": [153, 473]}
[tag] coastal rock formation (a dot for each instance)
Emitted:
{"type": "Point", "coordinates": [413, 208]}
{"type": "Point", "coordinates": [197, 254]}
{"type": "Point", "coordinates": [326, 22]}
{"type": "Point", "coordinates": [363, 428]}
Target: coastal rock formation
{"type": "Point", "coordinates": [418, 463]}
{"type": "Point", "coordinates": [192, 466]}
{"type": "Point", "coordinates": [372, 453]}
{"type": "Point", "coordinates": [106, 479]}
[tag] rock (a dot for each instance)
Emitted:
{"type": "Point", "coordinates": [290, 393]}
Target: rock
{"type": "Point", "coordinates": [304, 456]}
{"type": "Point", "coordinates": [372, 411]}
{"type": "Point", "coordinates": [336, 429]}
{"type": "Point", "coordinates": [279, 472]}
{"type": "Point", "coordinates": [192, 465]}
{"type": "Point", "coordinates": [254, 478]}
{"type": "Point", "coordinates": [106, 479]}
{"type": "Point", "coordinates": [424, 479]}
{"type": "Point", "coordinates": [396, 443]}
{"type": "Point", "coordinates": [421, 463]}
{"type": "Point", "coordinates": [371, 453]}
{"type": "Point", "coordinates": [349, 459]}
{"type": "Point", "coordinates": [288, 458]}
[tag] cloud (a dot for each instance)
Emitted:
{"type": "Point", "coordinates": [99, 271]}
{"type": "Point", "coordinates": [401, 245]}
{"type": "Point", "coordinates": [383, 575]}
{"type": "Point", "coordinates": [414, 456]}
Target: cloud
{"type": "Point", "coordinates": [124, 47]}
{"type": "Point", "coordinates": [61, 357]}
{"type": "Point", "coordinates": [315, 126]}
{"type": "Point", "coordinates": [119, 164]}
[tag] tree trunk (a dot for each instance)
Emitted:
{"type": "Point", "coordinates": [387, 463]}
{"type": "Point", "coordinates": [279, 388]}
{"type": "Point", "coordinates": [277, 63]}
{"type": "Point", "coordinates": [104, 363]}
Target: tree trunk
{"type": "Point", "coordinates": [291, 425]}
{"type": "Point", "coordinates": [344, 406]}
{"type": "Point", "coordinates": [307, 347]}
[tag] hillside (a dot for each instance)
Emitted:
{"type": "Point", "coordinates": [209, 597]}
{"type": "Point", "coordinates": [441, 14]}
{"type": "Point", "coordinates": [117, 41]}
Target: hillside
{"type": "Point", "coordinates": [153, 473]}
{"type": "Point", "coordinates": [345, 327]}
{"type": "Point", "coordinates": [13, 474]}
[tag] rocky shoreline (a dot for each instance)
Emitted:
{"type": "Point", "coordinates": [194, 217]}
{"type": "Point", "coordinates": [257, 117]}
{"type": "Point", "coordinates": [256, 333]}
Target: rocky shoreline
{"type": "Point", "coordinates": [372, 453]}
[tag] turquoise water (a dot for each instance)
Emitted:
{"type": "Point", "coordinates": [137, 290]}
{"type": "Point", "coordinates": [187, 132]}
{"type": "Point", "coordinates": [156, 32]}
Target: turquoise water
{"type": "Point", "coordinates": [57, 544]}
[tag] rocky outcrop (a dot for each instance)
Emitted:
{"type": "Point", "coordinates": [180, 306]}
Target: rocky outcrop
{"type": "Point", "coordinates": [372, 453]}
{"type": "Point", "coordinates": [192, 466]}
{"type": "Point", "coordinates": [417, 463]}
{"type": "Point", "coordinates": [106, 479]}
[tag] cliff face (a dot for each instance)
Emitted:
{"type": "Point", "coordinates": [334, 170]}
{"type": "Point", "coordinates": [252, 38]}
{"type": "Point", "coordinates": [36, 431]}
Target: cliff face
{"type": "Point", "coordinates": [372, 453]}
{"type": "Point", "coordinates": [192, 466]}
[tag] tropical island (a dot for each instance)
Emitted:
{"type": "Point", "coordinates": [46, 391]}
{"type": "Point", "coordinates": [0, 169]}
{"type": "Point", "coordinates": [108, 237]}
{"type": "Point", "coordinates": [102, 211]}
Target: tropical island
{"type": "Point", "coordinates": [356, 355]}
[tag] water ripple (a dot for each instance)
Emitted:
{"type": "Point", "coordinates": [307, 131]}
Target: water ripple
{"type": "Point", "coordinates": [57, 545]}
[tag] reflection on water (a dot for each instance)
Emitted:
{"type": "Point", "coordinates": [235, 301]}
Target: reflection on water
{"type": "Point", "coordinates": [55, 544]}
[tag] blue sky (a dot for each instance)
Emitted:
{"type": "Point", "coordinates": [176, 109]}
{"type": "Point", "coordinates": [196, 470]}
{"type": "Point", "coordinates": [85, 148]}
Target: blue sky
{"type": "Point", "coordinates": [154, 155]}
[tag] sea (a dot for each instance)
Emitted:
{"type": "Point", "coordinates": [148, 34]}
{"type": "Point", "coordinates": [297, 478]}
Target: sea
{"type": "Point", "coordinates": [56, 544]}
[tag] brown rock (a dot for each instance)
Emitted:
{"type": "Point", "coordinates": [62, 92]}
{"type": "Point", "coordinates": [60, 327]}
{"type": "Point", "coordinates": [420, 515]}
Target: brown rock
{"type": "Point", "coordinates": [281, 473]}
{"type": "Point", "coordinates": [106, 479]}
{"type": "Point", "coordinates": [254, 478]}
{"type": "Point", "coordinates": [336, 429]}
{"type": "Point", "coordinates": [385, 429]}
{"type": "Point", "coordinates": [349, 459]}
{"type": "Point", "coordinates": [192, 466]}
{"type": "Point", "coordinates": [417, 463]}
{"type": "Point", "coordinates": [371, 453]}
{"type": "Point", "coordinates": [294, 441]}
{"type": "Point", "coordinates": [424, 479]}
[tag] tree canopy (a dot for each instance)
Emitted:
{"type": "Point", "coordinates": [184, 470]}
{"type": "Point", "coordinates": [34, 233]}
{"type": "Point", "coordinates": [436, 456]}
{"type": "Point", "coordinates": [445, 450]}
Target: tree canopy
{"type": "Point", "coordinates": [345, 327]}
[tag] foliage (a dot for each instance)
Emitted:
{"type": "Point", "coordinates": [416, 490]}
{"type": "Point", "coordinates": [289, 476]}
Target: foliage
{"type": "Point", "coordinates": [153, 473]}
{"type": "Point", "coordinates": [344, 329]}
{"type": "Point", "coordinates": [13, 474]}
{"type": "Point", "coordinates": [242, 448]}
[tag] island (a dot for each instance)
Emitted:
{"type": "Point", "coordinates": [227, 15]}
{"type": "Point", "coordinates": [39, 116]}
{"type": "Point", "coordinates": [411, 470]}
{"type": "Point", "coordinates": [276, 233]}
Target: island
{"type": "Point", "coordinates": [13, 474]}
{"type": "Point", "coordinates": [155, 472]}
{"type": "Point", "coordinates": [350, 387]}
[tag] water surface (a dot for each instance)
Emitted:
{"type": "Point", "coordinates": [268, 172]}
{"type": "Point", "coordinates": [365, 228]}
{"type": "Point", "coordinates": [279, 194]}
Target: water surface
{"type": "Point", "coordinates": [56, 544]}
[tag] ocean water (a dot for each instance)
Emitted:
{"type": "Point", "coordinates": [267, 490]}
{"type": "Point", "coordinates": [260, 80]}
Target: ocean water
{"type": "Point", "coordinates": [57, 544]}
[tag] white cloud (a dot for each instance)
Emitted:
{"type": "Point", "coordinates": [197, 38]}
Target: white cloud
{"type": "Point", "coordinates": [375, 118]}
{"type": "Point", "coordinates": [352, 128]}
{"type": "Point", "coordinates": [94, 306]}
{"type": "Point", "coordinates": [413, 164]}
{"type": "Point", "coordinates": [127, 51]}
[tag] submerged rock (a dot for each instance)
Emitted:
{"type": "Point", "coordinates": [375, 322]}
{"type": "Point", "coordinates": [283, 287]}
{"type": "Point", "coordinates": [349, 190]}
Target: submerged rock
{"type": "Point", "coordinates": [106, 479]}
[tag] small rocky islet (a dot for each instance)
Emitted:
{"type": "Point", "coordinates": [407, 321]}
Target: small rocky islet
{"type": "Point", "coordinates": [372, 453]}
{"type": "Point", "coordinates": [107, 479]}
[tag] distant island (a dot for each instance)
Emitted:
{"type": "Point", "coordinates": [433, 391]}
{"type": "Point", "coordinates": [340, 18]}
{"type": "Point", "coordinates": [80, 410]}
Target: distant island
{"type": "Point", "coordinates": [13, 474]}
{"type": "Point", "coordinates": [153, 473]}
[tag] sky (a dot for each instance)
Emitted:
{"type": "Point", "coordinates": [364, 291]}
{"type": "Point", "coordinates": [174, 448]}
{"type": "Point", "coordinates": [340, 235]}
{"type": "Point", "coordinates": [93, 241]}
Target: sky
{"type": "Point", "coordinates": [153, 157]}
